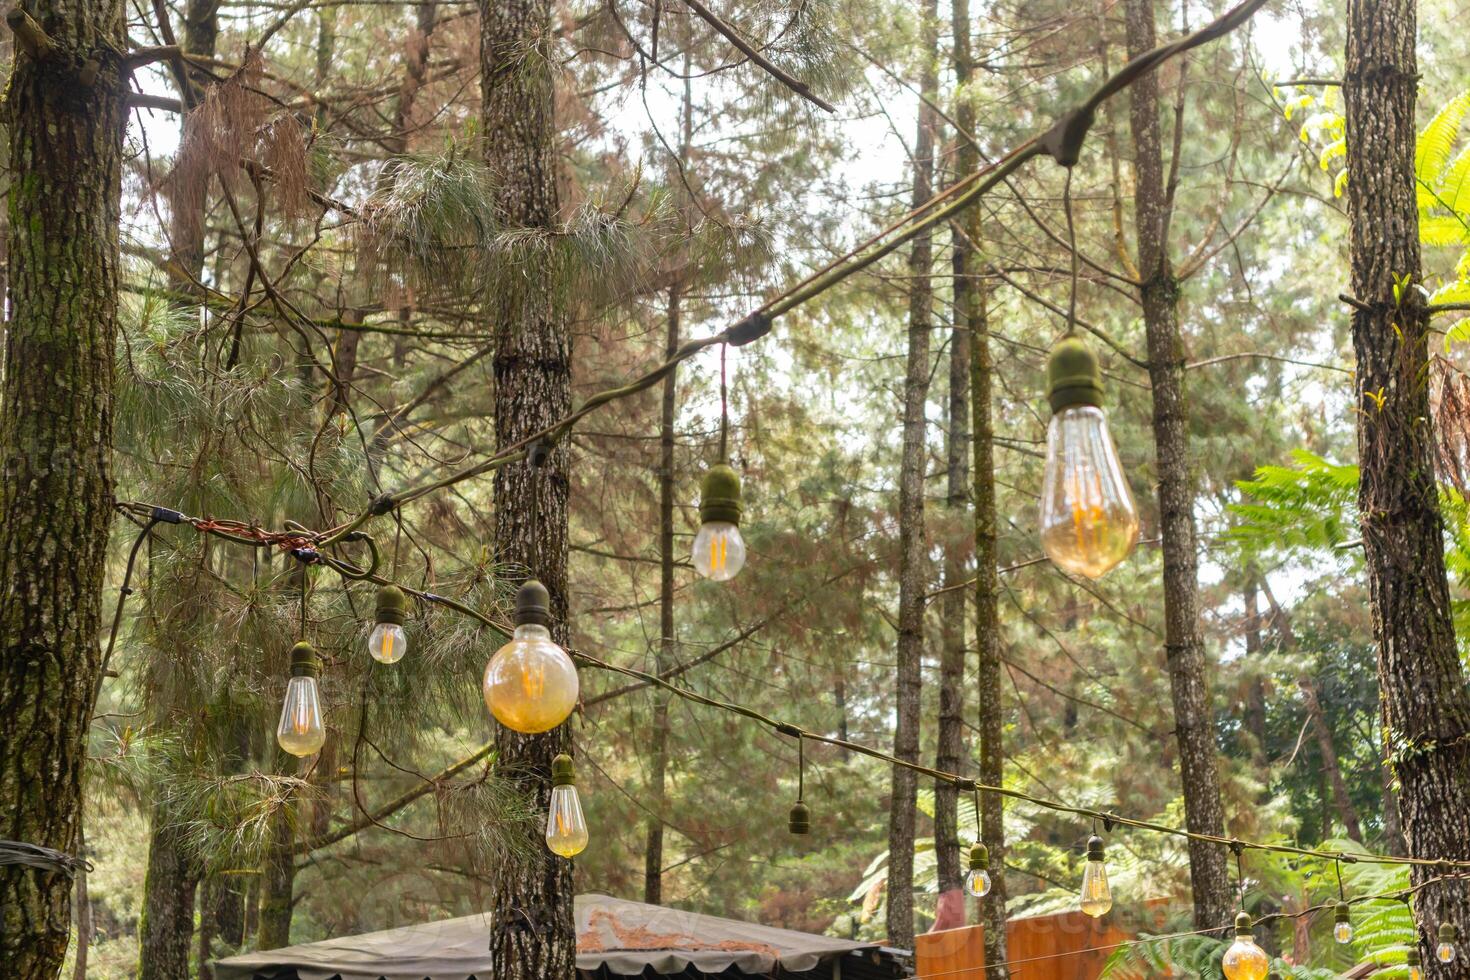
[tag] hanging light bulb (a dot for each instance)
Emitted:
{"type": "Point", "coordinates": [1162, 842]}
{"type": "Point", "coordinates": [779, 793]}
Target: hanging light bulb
{"type": "Point", "coordinates": [719, 550]}
{"type": "Point", "coordinates": [1448, 934]}
{"type": "Point", "coordinates": [1342, 926]}
{"type": "Point", "coordinates": [977, 878]}
{"type": "Point", "coordinates": [531, 683]}
{"type": "Point", "coordinates": [300, 731]}
{"type": "Point", "coordinates": [1097, 897]}
{"type": "Point", "coordinates": [566, 828]}
{"type": "Point", "coordinates": [1415, 964]}
{"type": "Point", "coordinates": [1244, 960]}
{"type": "Point", "coordinates": [1088, 520]}
{"type": "Point", "coordinates": [387, 643]}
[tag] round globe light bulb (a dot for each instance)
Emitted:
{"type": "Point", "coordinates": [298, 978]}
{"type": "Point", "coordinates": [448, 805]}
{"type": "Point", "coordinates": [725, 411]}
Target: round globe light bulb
{"type": "Point", "coordinates": [387, 643]}
{"type": "Point", "coordinates": [1342, 932]}
{"type": "Point", "coordinates": [977, 882]}
{"type": "Point", "coordinates": [1445, 952]}
{"type": "Point", "coordinates": [719, 551]}
{"type": "Point", "coordinates": [531, 684]}
{"type": "Point", "coordinates": [1244, 960]}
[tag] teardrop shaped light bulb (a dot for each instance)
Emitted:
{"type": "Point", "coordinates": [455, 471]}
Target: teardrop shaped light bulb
{"type": "Point", "coordinates": [1088, 519]}
{"type": "Point", "coordinates": [301, 732]}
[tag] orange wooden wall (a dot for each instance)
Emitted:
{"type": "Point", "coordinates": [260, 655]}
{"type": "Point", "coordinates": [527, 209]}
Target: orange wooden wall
{"type": "Point", "coordinates": [1066, 946]}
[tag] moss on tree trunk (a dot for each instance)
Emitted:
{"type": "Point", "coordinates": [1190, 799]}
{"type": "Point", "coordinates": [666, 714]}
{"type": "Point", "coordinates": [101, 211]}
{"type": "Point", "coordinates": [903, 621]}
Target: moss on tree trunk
{"type": "Point", "coordinates": [56, 432]}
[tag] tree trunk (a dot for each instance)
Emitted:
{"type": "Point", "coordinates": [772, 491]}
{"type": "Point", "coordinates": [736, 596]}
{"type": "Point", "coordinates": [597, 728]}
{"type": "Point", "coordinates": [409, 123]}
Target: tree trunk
{"type": "Point", "coordinates": [166, 926]}
{"type": "Point", "coordinates": [1183, 644]}
{"type": "Point", "coordinates": [989, 692]}
{"type": "Point", "coordinates": [912, 580]}
{"type": "Point", "coordinates": [653, 854]}
{"type": "Point", "coordinates": [950, 752]}
{"type": "Point", "coordinates": [65, 170]}
{"type": "Point", "coordinates": [278, 871]}
{"type": "Point", "coordinates": [1425, 699]}
{"type": "Point", "coordinates": [532, 936]}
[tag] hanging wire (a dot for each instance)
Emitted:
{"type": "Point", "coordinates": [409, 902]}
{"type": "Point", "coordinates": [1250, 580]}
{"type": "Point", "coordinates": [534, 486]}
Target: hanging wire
{"type": "Point", "coordinates": [724, 408]}
{"type": "Point", "coordinates": [800, 769]}
{"type": "Point", "coordinates": [1072, 248]}
{"type": "Point", "coordinates": [1238, 849]}
{"type": "Point", "coordinates": [1341, 895]}
{"type": "Point", "coordinates": [305, 588]}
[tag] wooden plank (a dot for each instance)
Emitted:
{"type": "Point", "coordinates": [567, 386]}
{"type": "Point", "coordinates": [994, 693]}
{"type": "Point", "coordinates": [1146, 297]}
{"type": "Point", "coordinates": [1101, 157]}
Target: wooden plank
{"type": "Point", "coordinates": [1065, 946]}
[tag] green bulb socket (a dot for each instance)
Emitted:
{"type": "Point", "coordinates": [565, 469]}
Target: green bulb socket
{"type": "Point", "coordinates": [1094, 848]}
{"type": "Point", "coordinates": [1341, 913]}
{"type": "Point", "coordinates": [1448, 933]}
{"type": "Point", "coordinates": [1073, 376]}
{"type": "Point", "coordinates": [304, 661]}
{"type": "Point", "coordinates": [1411, 958]}
{"type": "Point", "coordinates": [719, 495]}
{"type": "Point", "coordinates": [533, 604]}
{"type": "Point", "coordinates": [979, 857]}
{"type": "Point", "coordinates": [1243, 924]}
{"type": "Point", "coordinates": [562, 771]}
{"type": "Point", "coordinates": [800, 819]}
{"type": "Point", "coordinates": [392, 605]}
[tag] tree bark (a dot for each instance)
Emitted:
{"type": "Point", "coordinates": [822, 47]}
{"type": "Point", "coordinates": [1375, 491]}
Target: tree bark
{"type": "Point", "coordinates": [1424, 696]}
{"type": "Point", "coordinates": [653, 853]}
{"type": "Point", "coordinates": [65, 169]}
{"type": "Point", "coordinates": [166, 926]}
{"type": "Point", "coordinates": [532, 935]}
{"type": "Point", "coordinates": [1183, 643]}
{"type": "Point", "coordinates": [912, 580]}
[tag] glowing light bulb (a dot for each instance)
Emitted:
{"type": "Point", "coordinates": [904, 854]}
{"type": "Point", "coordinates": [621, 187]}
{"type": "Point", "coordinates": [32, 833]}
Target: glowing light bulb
{"type": "Point", "coordinates": [977, 879]}
{"type": "Point", "coordinates": [1088, 520]}
{"type": "Point", "coordinates": [387, 643]}
{"type": "Point", "coordinates": [566, 828]}
{"type": "Point", "coordinates": [1415, 965]}
{"type": "Point", "coordinates": [1244, 960]}
{"type": "Point", "coordinates": [531, 684]}
{"type": "Point", "coordinates": [300, 731]}
{"type": "Point", "coordinates": [1342, 925]}
{"type": "Point", "coordinates": [1097, 897]}
{"type": "Point", "coordinates": [719, 550]}
{"type": "Point", "coordinates": [1448, 934]}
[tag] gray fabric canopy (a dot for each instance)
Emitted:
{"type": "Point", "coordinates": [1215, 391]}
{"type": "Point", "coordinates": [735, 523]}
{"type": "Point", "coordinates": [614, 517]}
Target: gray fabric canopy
{"type": "Point", "coordinates": [613, 936]}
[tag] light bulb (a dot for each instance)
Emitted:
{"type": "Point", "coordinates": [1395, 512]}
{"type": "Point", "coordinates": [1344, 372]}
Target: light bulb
{"type": "Point", "coordinates": [977, 882]}
{"type": "Point", "coordinates": [566, 829]}
{"type": "Point", "coordinates": [1244, 960]}
{"type": "Point", "coordinates": [719, 551]}
{"type": "Point", "coordinates": [1097, 897]}
{"type": "Point", "coordinates": [1088, 520]}
{"type": "Point", "coordinates": [1445, 951]}
{"type": "Point", "coordinates": [387, 643]}
{"type": "Point", "coordinates": [531, 683]}
{"type": "Point", "coordinates": [300, 731]}
{"type": "Point", "coordinates": [1411, 959]}
{"type": "Point", "coordinates": [1342, 926]}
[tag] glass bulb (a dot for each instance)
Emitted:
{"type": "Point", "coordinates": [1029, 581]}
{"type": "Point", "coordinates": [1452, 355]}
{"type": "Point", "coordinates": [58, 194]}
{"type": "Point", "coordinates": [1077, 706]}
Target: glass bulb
{"type": "Point", "coordinates": [387, 643]}
{"type": "Point", "coordinates": [977, 882]}
{"type": "Point", "coordinates": [1088, 520]}
{"type": "Point", "coordinates": [1097, 897]}
{"type": "Point", "coordinates": [300, 731]}
{"type": "Point", "coordinates": [531, 683]}
{"type": "Point", "coordinates": [1343, 932]}
{"type": "Point", "coordinates": [1416, 972]}
{"type": "Point", "coordinates": [719, 551]}
{"type": "Point", "coordinates": [1445, 952]}
{"type": "Point", "coordinates": [566, 829]}
{"type": "Point", "coordinates": [1244, 960]}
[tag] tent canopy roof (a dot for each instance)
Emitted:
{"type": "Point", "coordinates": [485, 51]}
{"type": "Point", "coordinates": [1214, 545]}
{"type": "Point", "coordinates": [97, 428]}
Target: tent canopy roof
{"type": "Point", "coordinates": [613, 936]}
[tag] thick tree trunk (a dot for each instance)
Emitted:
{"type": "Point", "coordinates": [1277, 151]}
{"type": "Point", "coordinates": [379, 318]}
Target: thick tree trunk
{"type": "Point", "coordinates": [1183, 644]}
{"type": "Point", "coordinates": [65, 170]}
{"type": "Point", "coordinates": [912, 564]}
{"type": "Point", "coordinates": [532, 936]}
{"type": "Point", "coordinates": [1425, 699]}
{"type": "Point", "coordinates": [653, 853]}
